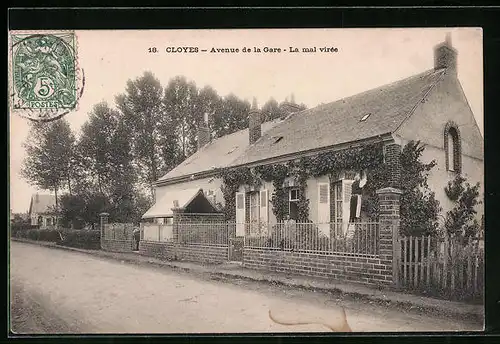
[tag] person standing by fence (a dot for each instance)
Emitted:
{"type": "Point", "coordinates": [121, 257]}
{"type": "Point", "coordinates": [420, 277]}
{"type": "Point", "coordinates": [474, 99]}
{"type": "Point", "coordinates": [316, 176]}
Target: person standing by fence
{"type": "Point", "coordinates": [289, 232]}
{"type": "Point", "coordinates": [137, 238]}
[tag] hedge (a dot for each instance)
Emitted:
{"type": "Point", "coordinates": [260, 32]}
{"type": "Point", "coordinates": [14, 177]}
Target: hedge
{"type": "Point", "coordinates": [37, 234]}
{"type": "Point", "coordinates": [19, 230]}
{"type": "Point", "coordinates": [87, 239]}
{"type": "Point", "coordinates": [79, 238]}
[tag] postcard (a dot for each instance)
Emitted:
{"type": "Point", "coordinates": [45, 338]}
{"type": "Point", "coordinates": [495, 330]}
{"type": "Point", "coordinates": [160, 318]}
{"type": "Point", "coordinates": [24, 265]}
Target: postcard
{"type": "Point", "coordinates": [246, 180]}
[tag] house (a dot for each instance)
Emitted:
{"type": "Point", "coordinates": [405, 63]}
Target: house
{"type": "Point", "coordinates": [430, 107]}
{"type": "Point", "coordinates": [191, 201]}
{"type": "Point", "coordinates": [41, 210]}
{"type": "Point", "coordinates": [199, 171]}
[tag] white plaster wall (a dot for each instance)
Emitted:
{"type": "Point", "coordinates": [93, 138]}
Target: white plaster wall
{"type": "Point", "coordinates": [472, 169]}
{"type": "Point", "coordinates": [204, 183]}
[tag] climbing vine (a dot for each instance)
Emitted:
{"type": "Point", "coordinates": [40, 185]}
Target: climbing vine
{"type": "Point", "coordinates": [460, 221]}
{"type": "Point", "coordinates": [419, 207]}
{"type": "Point", "coordinates": [231, 181]}
{"type": "Point", "coordinates": [368, 157]}
{"type": "Point", "coordinates": [455, 188]}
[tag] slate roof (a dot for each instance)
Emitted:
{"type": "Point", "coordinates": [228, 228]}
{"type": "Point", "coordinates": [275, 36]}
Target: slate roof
{"type": "Point", "coordinates": [340, 121]}
{"type": "Point", "coordinates": [42, 204]}
{"type": "Point", "coordinates": [219, 153]}
{"type": "Point", "coordinates": [323, 126]}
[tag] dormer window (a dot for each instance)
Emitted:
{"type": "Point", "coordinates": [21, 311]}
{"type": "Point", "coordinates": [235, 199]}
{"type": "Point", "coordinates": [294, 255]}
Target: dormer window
{"type": "Point", "coordinates": [277, 139]}
{"type": "Point", "coordinates": [365, 117]}
{"type": "Point", "coordinates": [232, 150]}
{"type": "Point", "coordinates": [452, 148]}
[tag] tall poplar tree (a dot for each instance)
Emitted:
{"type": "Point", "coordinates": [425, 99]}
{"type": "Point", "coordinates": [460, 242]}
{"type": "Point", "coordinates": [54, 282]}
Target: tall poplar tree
{"type": "Point", "coordinates": [49, 156]}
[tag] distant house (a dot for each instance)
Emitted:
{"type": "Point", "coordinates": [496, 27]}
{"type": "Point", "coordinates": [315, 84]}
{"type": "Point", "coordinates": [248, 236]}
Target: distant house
{"type": "Point", "coordinates": [41, 211]}
{"type": "Point", "coordinates": [430, 107]}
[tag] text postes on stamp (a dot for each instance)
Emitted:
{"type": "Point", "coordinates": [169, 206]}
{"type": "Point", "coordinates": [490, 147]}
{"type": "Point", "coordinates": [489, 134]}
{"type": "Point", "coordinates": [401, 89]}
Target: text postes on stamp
{"type": "Point", "coordinates": [43, 74]}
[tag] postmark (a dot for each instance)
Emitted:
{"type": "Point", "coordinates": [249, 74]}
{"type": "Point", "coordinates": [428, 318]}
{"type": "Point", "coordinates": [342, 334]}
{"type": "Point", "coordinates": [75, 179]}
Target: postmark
{"type": "Point", "coordinates": [45, 81]}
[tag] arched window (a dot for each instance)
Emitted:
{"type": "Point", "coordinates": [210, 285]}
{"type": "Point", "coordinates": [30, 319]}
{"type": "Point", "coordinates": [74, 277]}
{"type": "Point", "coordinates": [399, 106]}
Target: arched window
{"type": "Point", "coordinates": [452, 148]}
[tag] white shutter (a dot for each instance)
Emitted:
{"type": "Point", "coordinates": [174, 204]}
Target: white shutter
{"type": "Point", "coordinates": [240, 214]}
{"type": "Point", "coordinates": [264, 206]}
{"type": "Point", "coordinates": [358, 206]}
{"type": "Point", "coordinates": [324, 208]}
{"type": "Point", "coordinates": [346, 197]}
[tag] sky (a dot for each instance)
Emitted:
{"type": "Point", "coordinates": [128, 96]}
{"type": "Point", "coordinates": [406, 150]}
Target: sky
{"type": "Point", "coordinates": [366, 58]}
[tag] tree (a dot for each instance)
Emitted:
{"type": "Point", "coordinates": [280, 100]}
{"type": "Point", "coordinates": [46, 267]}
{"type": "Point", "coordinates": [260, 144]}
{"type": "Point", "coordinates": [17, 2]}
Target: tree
{"type": "Point", "coordinates": [18, 219]}
{"type": "Point", "coordinates": [232, 117]}
{"type": "Point", "coordinates": [105, 149]}
{"type": "Point", "coordinates": [419, 208]}
{"type": "Point", "coordinates": [460, 221]}
{"type": "Point", "coordinates": [183, 113]}
{"type": "Point", "coordinates": [72, 211]}
{"type": "Point", "coordinates": [209, 103]}
{"type": "Point", "coordinates": [95, 145]}
{"type": "Point", "coordinates": [270, 110]}
{"type": "Point", "coordinates": [143, 111]}
{"type": "Point", "coordinates": [49, 160]}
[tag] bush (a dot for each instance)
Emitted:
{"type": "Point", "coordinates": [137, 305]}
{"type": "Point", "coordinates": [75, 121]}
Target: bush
{"type": "Point", "coordinates": [20, 230]}
{"type": "Point", "coordinates": [48, 235]}
{"type": "Point", "coordinates": [37, 234]}
{"type": "Point", "coordinates": [87, 239]}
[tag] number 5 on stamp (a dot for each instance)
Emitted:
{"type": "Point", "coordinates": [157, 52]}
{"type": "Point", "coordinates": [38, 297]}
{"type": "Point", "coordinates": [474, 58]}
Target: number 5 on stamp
{"type": "Point", "coordinates": [43, 72]}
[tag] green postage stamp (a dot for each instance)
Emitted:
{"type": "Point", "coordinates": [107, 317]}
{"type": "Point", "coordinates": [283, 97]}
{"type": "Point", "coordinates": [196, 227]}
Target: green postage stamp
{"type": "Point", "coordinates": [44, 78]}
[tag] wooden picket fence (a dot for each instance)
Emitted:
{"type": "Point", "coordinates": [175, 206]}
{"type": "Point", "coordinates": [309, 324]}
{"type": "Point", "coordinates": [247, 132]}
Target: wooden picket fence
{"type": "Point", "coordinates": [445, 268]}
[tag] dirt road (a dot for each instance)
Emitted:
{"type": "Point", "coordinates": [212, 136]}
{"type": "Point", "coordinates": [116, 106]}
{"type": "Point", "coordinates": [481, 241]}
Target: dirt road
{"type": "Point", "coordinates": [57, 291]}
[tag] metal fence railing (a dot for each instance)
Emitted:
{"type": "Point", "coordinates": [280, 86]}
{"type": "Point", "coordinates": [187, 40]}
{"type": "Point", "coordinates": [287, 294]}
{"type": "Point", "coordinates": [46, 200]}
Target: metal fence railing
{"type": "Point", "coordinates": [359, 238]}
{"type": "Point", "coordinates": [205, 233]}
{"type": "Point", "coordinates": [188, 233]}
{"type": "Point", "coordinates": [156, 232]}
{"type": "Point", "coordinates": [118, 231]}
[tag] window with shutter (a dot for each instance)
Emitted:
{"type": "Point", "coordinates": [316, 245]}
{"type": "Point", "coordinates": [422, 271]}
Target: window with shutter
{"type": "Point", "coordinates": [240, 214]}
{"type": "Point", "coordinates": [347, 191]}
{"type": "Point", "coordinates": [264, 209]}
{"type": "Point", "coordinates": [293, 199]}
{"type": "Point", "coordinates": [254, 207]}
{"type": "Point", "coordinates": [263, 198]}
{"type": "Point", "coordinates": [323, 193]}
{"type": "Point", "coordinates": [337, 207]}
{"type": "Point", "coordinates": [324, 208]}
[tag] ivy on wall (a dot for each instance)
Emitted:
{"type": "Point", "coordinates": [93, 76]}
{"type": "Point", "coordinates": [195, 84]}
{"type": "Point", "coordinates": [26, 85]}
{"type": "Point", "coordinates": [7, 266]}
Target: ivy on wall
{"type": "Point", "coordinates": [232, 179]}
{"type": "Point", "coordinates": [369, 157]}
{"type": "Point", "coordinates": [460, 221]}
{"type": "Point", "coordinates": [419, 207]}
{"type": "Point", "coordinates": [455, 188]}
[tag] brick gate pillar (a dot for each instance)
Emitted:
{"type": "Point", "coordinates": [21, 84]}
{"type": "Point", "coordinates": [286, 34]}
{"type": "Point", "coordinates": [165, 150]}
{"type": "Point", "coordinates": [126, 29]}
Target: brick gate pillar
{"type": "Point", "coordinates": [103, 222]}
{"type": "Point", "coordinates": [177, 218]}
{"type": "Point", "coordinates": [392, 153]}
{"type": "Point", "coordinates": [389, 202]}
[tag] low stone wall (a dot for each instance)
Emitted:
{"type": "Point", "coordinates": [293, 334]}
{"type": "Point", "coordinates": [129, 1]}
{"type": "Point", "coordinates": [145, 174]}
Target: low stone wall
{"type": "Point", "coordinates": [194, 253]}
{"type": "Point", "coordinates": [369, 271]}
{"type": "Point", "coordinates": [117, 245]}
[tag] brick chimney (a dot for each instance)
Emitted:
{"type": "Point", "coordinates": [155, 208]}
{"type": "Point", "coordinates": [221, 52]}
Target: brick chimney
{"type": "Point", "coordinates": [445, 56]}
{"type": "Point", "coordinates": [254, 123]}
{"type": "Point", "coordinates": [203, 132]}
{"type": "Point", "coordinates": [289, 107]}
